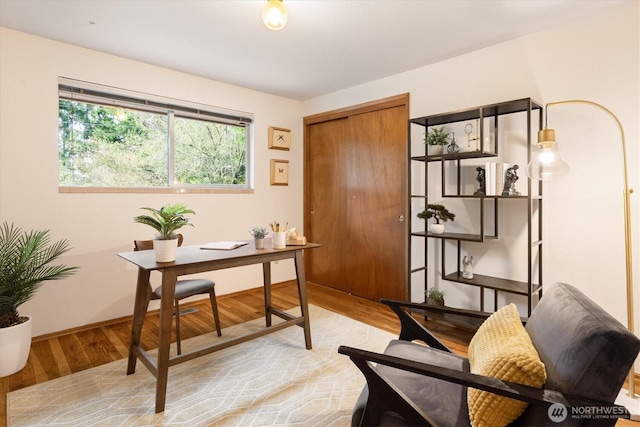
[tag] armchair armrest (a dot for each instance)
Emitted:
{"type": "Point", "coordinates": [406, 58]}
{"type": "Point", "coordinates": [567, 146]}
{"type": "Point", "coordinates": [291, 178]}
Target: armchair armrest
{"type": "Point", "coordinates": [411, 329]}
{"type": "Point", "coordinates": [532, 395]}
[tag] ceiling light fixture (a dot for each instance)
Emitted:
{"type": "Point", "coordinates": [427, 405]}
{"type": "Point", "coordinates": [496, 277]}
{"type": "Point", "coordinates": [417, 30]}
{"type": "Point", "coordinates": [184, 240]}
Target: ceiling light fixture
{"type": "Point", "coordinates": [274, 15]}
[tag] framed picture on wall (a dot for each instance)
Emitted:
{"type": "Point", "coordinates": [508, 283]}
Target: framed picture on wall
{"type": "Point", "coordinates": [279, 172]}
{"type": "Point", "coordinates": [279, 138]}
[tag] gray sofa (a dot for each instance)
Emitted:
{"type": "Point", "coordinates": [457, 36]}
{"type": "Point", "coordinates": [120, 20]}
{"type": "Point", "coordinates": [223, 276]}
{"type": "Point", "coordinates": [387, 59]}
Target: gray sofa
{"type": "Point", "coordinates": [587, 355]}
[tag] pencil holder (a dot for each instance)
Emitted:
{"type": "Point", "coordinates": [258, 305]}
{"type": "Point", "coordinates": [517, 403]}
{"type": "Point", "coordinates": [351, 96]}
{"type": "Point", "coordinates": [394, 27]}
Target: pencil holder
{"type": "Point", "coordinates": [279, 239]}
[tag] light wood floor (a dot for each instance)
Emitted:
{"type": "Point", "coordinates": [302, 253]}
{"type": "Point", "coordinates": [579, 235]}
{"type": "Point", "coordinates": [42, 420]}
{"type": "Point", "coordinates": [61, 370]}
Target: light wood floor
{"type": "Point", "coordinates": [63, 354]}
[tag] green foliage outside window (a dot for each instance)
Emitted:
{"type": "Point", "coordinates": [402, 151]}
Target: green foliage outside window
{"type": "Point", "coordinates": [104, 146]}
{"type": "Point", "coordinates": [209, 153]}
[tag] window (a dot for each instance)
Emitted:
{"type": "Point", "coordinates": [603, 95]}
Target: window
{"type": "Point", "coordinates": [111, 138]}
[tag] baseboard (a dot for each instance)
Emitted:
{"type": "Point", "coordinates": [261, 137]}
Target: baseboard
{"type": "Point", "coordinates": [129, 318]}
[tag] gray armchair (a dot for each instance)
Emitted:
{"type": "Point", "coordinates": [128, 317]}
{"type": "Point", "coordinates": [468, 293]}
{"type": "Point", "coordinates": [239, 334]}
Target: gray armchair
{"type": "Point", "coordinates": [586, 352]}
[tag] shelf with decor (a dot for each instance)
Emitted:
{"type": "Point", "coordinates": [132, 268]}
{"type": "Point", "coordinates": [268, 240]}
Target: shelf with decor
{"type": "Point", "coordinates": [479, 140]}
{"type": "Point", "coordinates": [454, 236]}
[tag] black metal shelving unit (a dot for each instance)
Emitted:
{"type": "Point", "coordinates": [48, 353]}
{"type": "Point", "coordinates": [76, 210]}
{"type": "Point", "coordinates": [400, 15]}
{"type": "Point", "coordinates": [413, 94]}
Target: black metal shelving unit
{"type": "Point", "coordinates": [493, 113]}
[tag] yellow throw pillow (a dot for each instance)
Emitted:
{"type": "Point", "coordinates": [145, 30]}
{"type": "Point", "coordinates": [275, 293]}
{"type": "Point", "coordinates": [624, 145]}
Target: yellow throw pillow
{"type": "Point", "coordinates": [501, 348]}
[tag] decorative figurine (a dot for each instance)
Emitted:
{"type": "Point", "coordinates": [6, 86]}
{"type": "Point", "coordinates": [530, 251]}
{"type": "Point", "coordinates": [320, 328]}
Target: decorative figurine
{"type": "Point", "coordinates": [453, 148]}
{"type": "Point", "coordinates": [510, 178]}
{"type": "Point", "coordinates": [481, 191]}
{"type": "Point", "coordinates": [467, 267]}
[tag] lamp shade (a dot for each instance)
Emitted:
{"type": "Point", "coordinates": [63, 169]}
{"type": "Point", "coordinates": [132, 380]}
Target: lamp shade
{"type": "Point", "coordinates": [546, 162]}
{"type": "Point", "coordinates": [274, 15]}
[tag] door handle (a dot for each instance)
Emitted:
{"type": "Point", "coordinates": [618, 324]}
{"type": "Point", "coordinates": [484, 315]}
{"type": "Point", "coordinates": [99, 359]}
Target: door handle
{"type": "Point", "coordinates": [401, 218]}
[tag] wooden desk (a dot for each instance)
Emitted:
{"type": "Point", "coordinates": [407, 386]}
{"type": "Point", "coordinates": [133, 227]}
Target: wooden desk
{"type": "Point", "coordinates": [191, 260]}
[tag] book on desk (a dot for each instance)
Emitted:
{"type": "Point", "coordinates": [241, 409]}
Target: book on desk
{"type": "Point", "coordinates": [223, 246]}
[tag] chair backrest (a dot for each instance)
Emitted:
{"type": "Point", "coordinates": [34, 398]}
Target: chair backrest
{"type": "Point", "coordinates": [143, 245]}
{"type": "Point", "coordinates": [585, 350]}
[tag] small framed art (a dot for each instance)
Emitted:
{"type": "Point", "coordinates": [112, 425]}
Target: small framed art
{"type": "Point", "coordinates": [279, 172]}
{"type": "Point", "coordinates": [279, 138]}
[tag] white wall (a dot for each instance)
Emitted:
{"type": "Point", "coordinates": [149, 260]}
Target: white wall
{"type": "Point", "coordinates": [596, 58]}
{"type": "Point", "coordinates": [100, 225]}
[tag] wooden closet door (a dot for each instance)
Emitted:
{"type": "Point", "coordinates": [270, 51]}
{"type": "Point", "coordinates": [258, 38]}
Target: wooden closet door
{"type": "Point", "coordinates": [355, 202]}
{"type": "Point", "coordinates": [327, 164]}
{"type": "Point", "coordinates": [376, 232]}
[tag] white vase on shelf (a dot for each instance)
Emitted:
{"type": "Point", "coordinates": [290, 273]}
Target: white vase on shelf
{"type": "Point", "coordinates": [436, 228]}
{"type": "Point", "coordinates": [435, 150]}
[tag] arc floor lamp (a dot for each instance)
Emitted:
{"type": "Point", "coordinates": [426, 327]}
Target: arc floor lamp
{"type": "Point", "coordinates": [547, 163]}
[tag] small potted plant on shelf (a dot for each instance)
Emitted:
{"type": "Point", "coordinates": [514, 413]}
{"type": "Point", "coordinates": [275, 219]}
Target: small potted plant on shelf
{"type": "Point", "coordinates": [436, 139]}
{"type": "Point", "coordinates": [440, 213]}
{"type": "Point", "coordinates": [259, 233]}
{"type": "Point", "coordinates": [25, 259]}
{"type": "Point", "coordinates": [166, 221]}
{"type": "Point", "coordinates": [435, 297]}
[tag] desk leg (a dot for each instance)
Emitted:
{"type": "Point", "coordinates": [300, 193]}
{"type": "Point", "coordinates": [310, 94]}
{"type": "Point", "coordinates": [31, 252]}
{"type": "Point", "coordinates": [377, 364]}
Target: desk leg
{"type": "Point", "coordinates": [169, 278]}
{"type": "Point", "coordinates": [139, 312]}
{"type": "Point", "coordinates": [266, 279]}
{"type": "Point", "coordinates": [302, 292]}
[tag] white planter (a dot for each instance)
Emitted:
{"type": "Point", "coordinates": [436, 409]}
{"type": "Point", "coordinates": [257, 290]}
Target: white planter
{"type": "Point", "coordinates": [15, 343]}
{"type": "Point", "coordinates": [435, 150]}
{"type": "Point", "coordinates": [436, 228]}
{"type": "Point", "coordinates": [165, 250]}
{"type": "Point", "coordinates": [259, 243]}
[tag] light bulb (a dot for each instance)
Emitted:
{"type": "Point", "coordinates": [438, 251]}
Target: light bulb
{"type": "Point", "coordinates": [546, 162]}
{"type": "Point", "coordinates": [547, 157]}
{"type": "Point", "coordinates": [274, 15]}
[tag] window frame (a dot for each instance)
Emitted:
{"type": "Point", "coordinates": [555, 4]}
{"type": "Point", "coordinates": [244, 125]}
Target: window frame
{"type": "Point", "coordinates": [81, 91]}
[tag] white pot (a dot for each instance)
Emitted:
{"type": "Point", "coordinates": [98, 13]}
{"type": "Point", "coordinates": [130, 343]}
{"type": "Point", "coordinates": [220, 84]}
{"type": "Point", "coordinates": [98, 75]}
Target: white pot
{"type": "Point", "coordinates": [165, 250]}
{"type": "Point", "coordinates": [15, 343]}
{"type": "Point", "coordinates": [436, 228]}
{"type": "Point", "coordinates": [435, 150]}
{"type": "Point", "coordinates": [259, 243]}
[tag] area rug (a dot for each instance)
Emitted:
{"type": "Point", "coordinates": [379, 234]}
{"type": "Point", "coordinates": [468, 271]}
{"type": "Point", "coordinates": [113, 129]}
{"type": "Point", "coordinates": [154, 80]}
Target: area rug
{"type": "Point", "coordinates": [269, 381]}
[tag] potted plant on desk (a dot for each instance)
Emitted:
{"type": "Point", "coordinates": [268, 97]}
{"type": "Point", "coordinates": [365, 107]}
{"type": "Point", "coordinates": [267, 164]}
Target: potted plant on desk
{"type": "Point", "coordinates": [24, 265]}
{"type": "Point", "coordinates": [259, 233]}
{"type": "Point", "coordinates": [440, 213]}
{"type": "Point", "coordinates": [166, 221]}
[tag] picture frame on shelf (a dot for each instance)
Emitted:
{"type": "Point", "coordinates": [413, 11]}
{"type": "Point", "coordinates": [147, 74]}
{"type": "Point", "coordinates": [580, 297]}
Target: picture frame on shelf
{"type": "Point", "coordinates": [279, 172]}
{"type": "Point", "coordinates": [279, 138]}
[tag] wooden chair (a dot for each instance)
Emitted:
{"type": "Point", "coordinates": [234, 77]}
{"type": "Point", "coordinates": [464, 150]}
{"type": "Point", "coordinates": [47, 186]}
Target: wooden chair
{"type": "Point", "coordinates": [184, 289]}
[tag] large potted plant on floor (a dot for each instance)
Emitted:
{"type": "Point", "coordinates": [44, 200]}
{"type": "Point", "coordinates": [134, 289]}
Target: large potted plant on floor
{"type": "Point", "coordinates": [166, 221]}
{"type": "Point", "coordinates": [25, 259]}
